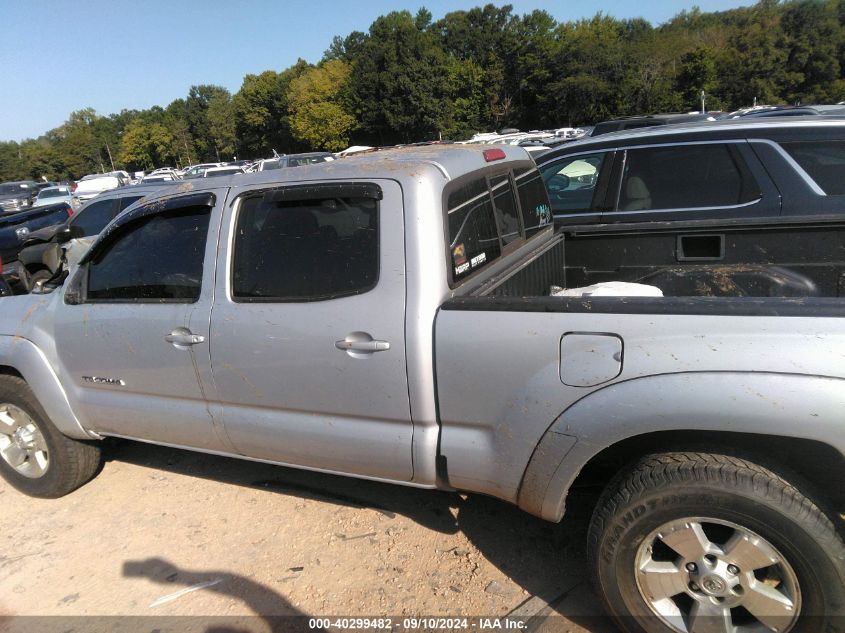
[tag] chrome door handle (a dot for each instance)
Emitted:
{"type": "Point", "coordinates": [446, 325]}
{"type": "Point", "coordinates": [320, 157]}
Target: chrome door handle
{"type": "Point", "coordinates": [362, 346]}
{"type": "Point", "coordinates": [183, 337]}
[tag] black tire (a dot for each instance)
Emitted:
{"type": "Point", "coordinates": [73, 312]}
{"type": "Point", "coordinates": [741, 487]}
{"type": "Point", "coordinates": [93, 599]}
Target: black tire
{"type": "Point", "coordinates": [71, 462]}
{"type": "Point", "coordinates": [664, 488]}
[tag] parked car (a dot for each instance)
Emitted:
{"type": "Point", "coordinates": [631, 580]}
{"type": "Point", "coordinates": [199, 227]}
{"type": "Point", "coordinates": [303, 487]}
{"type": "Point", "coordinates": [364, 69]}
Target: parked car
{"type": "Point", "coordinates": [17, 229]}
{"type": "Point", "coordinates": [651, 120]}
{"type": "Point", "coordinates": [743, 168]}
{"type": "Point", "coordinates": [198, 170]}
{"type": "Point", "coordinates": [222, 171]}
{"type": "Point", "coordinates": [294, 160]}
{"type": "Point", "coordinates": [711, 426]}
{"type": "Point", "coordinates": [18, 195]}
{"type": "Point", "coordinates": [52, 195]}
{"type": "Point", "coordinates": [160, 177]}
{"type": "Point", "coordinates": [40, 256]}
{"type": "Point", "coordinates": [93, 185]}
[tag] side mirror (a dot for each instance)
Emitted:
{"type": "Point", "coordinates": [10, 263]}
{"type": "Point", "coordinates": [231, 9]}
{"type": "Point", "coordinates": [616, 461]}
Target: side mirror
{"type": "Point", "coordinates": [68, 233]}
{"type": "Point", "coordinates": [64, 235]}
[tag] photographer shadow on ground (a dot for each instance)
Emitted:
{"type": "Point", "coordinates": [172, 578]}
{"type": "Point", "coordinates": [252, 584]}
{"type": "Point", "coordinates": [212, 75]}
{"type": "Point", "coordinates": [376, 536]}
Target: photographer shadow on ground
{"type": "Point", "coordinates": [259, 598]}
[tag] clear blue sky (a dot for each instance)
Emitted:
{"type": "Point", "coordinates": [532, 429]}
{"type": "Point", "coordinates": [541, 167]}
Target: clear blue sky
{"type": "Point", "coordinates": [59, 56]}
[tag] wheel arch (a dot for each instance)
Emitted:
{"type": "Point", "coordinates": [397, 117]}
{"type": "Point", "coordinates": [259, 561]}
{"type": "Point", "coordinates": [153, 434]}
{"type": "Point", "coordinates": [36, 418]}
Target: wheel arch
{"type": "Point", "coordinates": [20, 357]}
{"type": "Point", "coordinates": [790, 423]}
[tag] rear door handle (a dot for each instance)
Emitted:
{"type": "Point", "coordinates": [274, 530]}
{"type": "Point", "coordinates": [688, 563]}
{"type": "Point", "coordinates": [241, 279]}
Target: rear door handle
{"type": "Point", "coordinates": [362, 346]}
{"type": "Point", "coordinates": [182, 337]}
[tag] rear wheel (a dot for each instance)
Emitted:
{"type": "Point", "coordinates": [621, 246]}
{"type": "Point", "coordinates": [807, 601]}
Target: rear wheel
{"type": "Point", "coordinates": [35, 457]}
{"type": "Point", "coordinates": [702, 543]}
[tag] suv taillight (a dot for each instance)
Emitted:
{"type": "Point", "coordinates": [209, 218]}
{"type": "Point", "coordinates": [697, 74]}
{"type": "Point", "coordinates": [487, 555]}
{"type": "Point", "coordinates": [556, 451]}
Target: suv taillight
{"type": "Point", "coordinates": [1, 264]}
{"type": "Point", "coordinates": [69, 211]}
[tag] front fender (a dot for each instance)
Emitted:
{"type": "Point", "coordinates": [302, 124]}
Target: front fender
{"type": "Point", "coordinates": [27, 359]}
{"type": "Point", "coordinates": [788, 405]}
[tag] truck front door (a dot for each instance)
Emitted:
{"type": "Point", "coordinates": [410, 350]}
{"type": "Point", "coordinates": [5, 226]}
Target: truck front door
{"type": "Point", "coordinates": [308, 347]}
{"type": "Point", "coordinates": [133, 333]}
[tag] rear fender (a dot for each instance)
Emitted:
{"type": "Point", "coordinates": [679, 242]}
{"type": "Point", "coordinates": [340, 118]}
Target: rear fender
{"type": "Point", "coordinates": [787, 405]}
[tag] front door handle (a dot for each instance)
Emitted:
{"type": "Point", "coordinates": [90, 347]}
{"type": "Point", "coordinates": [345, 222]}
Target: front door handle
{"type": "Point", "coordinates": [182, 337]}
{"type": "Point", "coordinates": [361, 345]}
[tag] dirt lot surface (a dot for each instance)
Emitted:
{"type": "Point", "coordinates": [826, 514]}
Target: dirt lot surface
{"type": "Point", "coordinates": [257, 540]}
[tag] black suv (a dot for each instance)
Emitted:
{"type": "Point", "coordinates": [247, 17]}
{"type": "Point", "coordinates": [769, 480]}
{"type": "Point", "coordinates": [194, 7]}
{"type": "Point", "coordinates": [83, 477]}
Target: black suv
{"type": "Point", "coordinates": [740, 168]}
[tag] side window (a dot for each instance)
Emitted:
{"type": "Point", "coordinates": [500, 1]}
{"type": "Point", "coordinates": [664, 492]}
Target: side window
{"type": "Point", "coordinates": [305, 250]}
{"type": "Point", "coordinates": [824, 161]}
{"type": "Point", "coordinates": [504, 205]}
{"type": "Point", "coordinates": [128, 200]}
{"type": "Point", "coordinates": [685, 177]}
{"type": "Point", "coordinates": [93, 219]}
{"type": "Point", "coordinates": [571, 182]}
{"type": "Point", "coordinates": [156, 258]}
{"type": "Point", "coordinates": [473, 239]}
{"type": "Point", "coordinates": [533, 200]}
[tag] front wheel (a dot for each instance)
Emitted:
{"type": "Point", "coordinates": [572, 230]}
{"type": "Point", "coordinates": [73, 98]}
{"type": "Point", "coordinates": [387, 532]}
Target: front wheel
{"type": "Point", "coordinates": [703, 543]}
{"type": "Point", "coordinates": [35, 457]}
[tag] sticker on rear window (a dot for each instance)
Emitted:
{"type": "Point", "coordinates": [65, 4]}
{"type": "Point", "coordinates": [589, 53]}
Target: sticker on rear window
{"type": "Point", "coordinates": [459, 270]}
{"type": "Point", "coordinates": [459, 255]}
{"type": "Point", "coordinates": [478, 260]}
{"type": "Point", "coordinates": [544, 213]}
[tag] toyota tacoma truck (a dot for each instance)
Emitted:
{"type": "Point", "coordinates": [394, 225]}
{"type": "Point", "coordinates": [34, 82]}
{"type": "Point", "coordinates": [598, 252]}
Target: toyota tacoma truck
{"type": "Point", "coordinates": [391, 316]}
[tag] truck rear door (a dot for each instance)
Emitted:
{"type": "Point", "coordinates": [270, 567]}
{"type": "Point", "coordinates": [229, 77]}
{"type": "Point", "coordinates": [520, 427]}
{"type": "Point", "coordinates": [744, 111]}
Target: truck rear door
{"type": "Point", "coordinates": [307, 330]}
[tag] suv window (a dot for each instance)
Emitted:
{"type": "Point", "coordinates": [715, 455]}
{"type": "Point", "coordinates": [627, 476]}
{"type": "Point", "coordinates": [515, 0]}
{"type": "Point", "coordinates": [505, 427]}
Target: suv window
{"type": "Point", "coordinates": [571, 182]}
{"type": "Point", "coordinates": [156, 258]}
{"type": "Point", "coordinates": [127, 200]}
{"type": "Point", "coordinates": [824, 161]}
{"type": "Point", "coordinates": [305, 250]}
{"type": "Point", "coordinates": [93, 218]}
{"type": "Point", "coordinates": [686, 177]}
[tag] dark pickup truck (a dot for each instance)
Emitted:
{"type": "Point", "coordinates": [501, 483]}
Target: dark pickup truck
{"type": "Point", "coordinates": [16, 229]}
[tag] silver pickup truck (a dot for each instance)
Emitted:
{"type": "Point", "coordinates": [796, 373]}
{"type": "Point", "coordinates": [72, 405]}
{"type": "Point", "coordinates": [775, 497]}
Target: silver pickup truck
{"type": "Point", "coordinates": [389, 317]}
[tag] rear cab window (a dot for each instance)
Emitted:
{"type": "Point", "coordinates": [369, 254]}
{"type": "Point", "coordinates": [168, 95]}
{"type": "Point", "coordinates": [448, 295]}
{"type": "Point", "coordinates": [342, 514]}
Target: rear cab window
{"type": "Point", "coordinates": [490, 215]}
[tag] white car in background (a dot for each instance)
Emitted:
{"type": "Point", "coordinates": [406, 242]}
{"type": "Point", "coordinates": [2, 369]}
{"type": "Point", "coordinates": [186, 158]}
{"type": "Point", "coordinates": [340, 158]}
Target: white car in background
{"type": "Point", "coordinates": [222, 171]}
{"type": "Point", "coordinates": [161, 176]}
{"type": "Point", "coordinates": [198, 170]}
{"type": "Point", "coordinates": [95, 184]}
{"type": "Point", "coordinates": [53, 195]}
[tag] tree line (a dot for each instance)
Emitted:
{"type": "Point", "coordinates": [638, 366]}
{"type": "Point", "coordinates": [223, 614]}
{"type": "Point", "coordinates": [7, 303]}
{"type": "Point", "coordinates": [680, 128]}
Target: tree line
{"type": "Point", "coordinates": [409, 78]}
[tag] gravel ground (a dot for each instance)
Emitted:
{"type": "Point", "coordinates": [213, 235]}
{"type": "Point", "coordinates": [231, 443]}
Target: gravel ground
{"type": "Point", "coordinates": [267, 541]}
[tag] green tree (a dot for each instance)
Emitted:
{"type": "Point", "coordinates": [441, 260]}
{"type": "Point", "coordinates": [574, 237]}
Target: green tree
{"type": "Point", "coordinates": [261, 112]}
{"type": "Point", "coordinates": [399, 83]}
{"type": "Point", "coordinates": [696, 72]}
{"type": "Point", "coordinates": [199, 125]}
{"type": "Point", "coordinates": [814, 38]}
{"type": "Point", "coordinates": [221, 121]}
{"type": "Point", "coordinates": [146, 146]}
{"type": "Point", "coordinates": [315, 98]}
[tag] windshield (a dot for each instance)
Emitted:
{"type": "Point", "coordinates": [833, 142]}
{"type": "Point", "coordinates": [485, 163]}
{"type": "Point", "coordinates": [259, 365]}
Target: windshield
{"type": "Point", "coordinates": [6, 189]}
{"type": "Point", "coordinates": [53, 193]}
{"type": "Point", "coordinates": [222, 172]}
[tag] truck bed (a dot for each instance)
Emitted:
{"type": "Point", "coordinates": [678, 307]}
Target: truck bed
{"type": "Point", "coordinates": [584, 373]}
{"type": "Point", "coordinates": [762, 259]}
